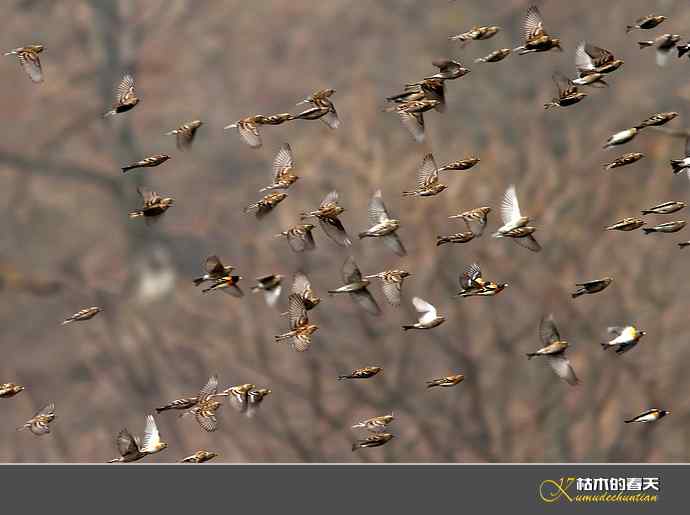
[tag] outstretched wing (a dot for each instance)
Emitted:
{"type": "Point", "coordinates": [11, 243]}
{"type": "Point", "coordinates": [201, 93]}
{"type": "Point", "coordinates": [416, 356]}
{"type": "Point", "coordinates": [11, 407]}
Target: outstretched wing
{"type": "Point", "coordinates": [350, 271]}
{"type": "Point", "coordinates": [213, 265]}
{"type": "Point", "coordinates": [532, 24]}
{"type": "Point", "coordinates": [377, 210]}
{"type": "Point", "coordinates": [283, 162]}
{"type": "Point", "coordinates": [428, 312]}
{"type": "Point", "coordinates": [297, 313]}
{"type": "Point", "coordinates": [413, 122]}
{"type": "Point", "coordinates": [583, 61]}
{"type": "Point", "coordinates": [366, 301]}
{"type": "Point", "coordinates": [334, 229]}
{"type": "Point", "coordinates": [31, 64]}
{"type": "Point", "coordinates": [529, 242]}
{"type": "Point", "coordinates": [152, 437]}
{"type": "Point", "coordinates": [209, 389]}
{"type": "Point", "coordinates": [561, 365]}
{"type": "Point", "coordinates": [548, 330]}
{"type": "Point", "coordinates": [428, 172]}
{"type": "Point", "coordinates": [126, 444]}
{"type": "Point", "coordinates": [124, 90]}
{"type": "Point", "coordinates": [392, 291]}
{"type": "Point", "coordinates": [250, 134]}
{"type": "Point", "coordinates": [301, 284]}
{"type": "Point", "coordinates": [331, 198]}
{"type": "Point", "coordinates": [510, 208]}
{"type": "Point", "coordinates": [393, 242]}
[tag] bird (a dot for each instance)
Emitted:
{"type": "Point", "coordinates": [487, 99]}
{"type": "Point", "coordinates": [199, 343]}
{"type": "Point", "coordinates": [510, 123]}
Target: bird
{"type": "Point", "coordinates": [82, 315]}
{"type": "Point", "coordinates": [321, 99]}
{"type": "Point", "coordinates": [461, 165]}
{"type": "Point", "coordinates": [239, 396]}
{"type": "Point", "coordinates": [361, 373]}
{"type": "Point", "coordinates": [495, 56]}
{"type": "Point", "coordinates": [271, 285]}
{"type": "Point", "coordinates": [592, 63]}
{"type": "Point", "coordinates": [204, 410]}
{"type": "Point", "coordinates": [299, 237]}
{"type": "Point", "coordinates": [476, 33]}
{"type": "Point", "coordinates": [254, 399]}
{"type": "Point", "coordinates": [8, 390]}
{"type": "Point", "coordinates": [473, 284]}
{"type": "Point", "coordinates": [535, 37]}
{"type": "Point", "coordinates": [515, 224]}
{"type": "Point", "coordinates": [39, 423]}
{"type": "Point", "coordinates": [312, 113]}
{"type": "Point", "coordinates": [646, 22]}
{"type": "Point", "coordinates": [621, 137]}
{"type": "Point", "coordinates": [391, 284]}
{"type": "Point", "coordinates": [411, 115]}
{"type": "Point", "coordinates": [302, 286]}
{"type": "Point", "coordinates": [374, 440]}
{"type": "Point", "coordinates": [199, 457]}
{"type": "Point", "coordinates": [626, 224]}
{"type": "Point", "coordinates": [682, 165]}
{"type": "Point", "coordinates": [568, 93]}
{"type": "Point", "coordinates": [625, 159]}
{"type": "Point", "coordinates": [591, 287]}
{"type": "Point", "coordinates": [131, 450]}
{"type": "Point", "coordinates": [458, 237]}
{"type": "Point", "coordinates": [301, 330]}
{"type": "Point", "coordinates": [185, 134]}
{"type": "Point", "coordinates": [248, 129]}
{"type": "Point", "coordinates": [375, 424]}
{"type": "Point", "coordinates": [356, 286]}
{"type": "Point", "coordinates": [327, 215]}
{"type": "Point", "coordinates": [179, 404]}
{"type": "Point", "coordinates": [283, 165]}
{"type": "Point", "coordinates": [148, 162]}
{"type": "Point", "coordinates": [448, 69]}
{"type": "Point", "coordinates": [29, 61]}
{"type": "Point", "coordinates": [664, 44]}
{"type": "Point", "coordinates": [227, 284]}
{"type": "Point", "coordinates": [684, 244]}
{"type": "Point", "coordinates": [427, 179]}
{"type": "Point", "coordinates": [153, 205]}
{"type": "Point", "coordinates": [554, 351]}
{"type": "Point", "coordinates": [624, 338]}
{"type": "Point", "coordinates": [667, 227]}
{"type": "Point", "coordinates": [445, 382]}
{"type": "Point", "coordinates": [665, 209]}
{"type": "Point", "coordinates": [383, 226]}
{"type": "Point", "coordinates": [429, 317]}
{"type": "Point", "coordinates": [215, 269]}
{"type": "Point", "coordinates": [657, 120]}
{"type": "Point", "coordinates": [475, 219]}
{"type": "Point", "coordinates": [125, 97]}
{"type": "Point", "coordinates": [683, 49]}
{"type": "Point", "coordinates": [432, 89]}
{"type": "Point", "coordinates": [651, 415]}
{"type": "Point", "coordinates": [266, 204]}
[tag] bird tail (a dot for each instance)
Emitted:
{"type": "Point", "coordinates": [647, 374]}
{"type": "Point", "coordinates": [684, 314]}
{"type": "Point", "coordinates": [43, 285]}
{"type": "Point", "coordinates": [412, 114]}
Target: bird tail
{"type": "Point", "coordinates": [629, 28]}
{"type": "Point", "coordinates": [231, 126]}
{"type": "Point", "coordinates": [136, 214]}
{"type": "Point", "coordinates": [604, 345]}
{"type": "Point", "coordinates": [550, 104]}
{"type": "Point", "coordinates": [355, 446]}
{"type": "Point", "coordinates": [628, 421]}
{"type": "Point", "coordinates": [530, 355]}
{"type": "Point", "coordinates": [677, 165]}
{"type": "Point", "coordinates": [282, 337]}
{"type": "Point", "coordinates": [440, 240]}
{"type": "Point", "coordinates": [480, 60]}
{"type": "Point", "coordinates": [340, 378]}
{"type": "Point", "coordinates": [69, 320]}
{"type": "Point", "coordinates": [519, 48]}
{"type": "Point", "coordinates": [682, 50]}
{"type": "Point", "coordinates": [408, 193]}
{"type": "Point", "coordinates": [198, 281]}
{"type": "Point", "coordinates": [645, 44]}
{"type": "Point", "coordinates": [11, 52]}
{"type": "Point", "coordinates": [647, 212]}
{"type": "Point", "coordinates": [576, 294]}
{"type": "Point", "coordinates": [171, 133]}
{"type": "Point", "coordinates": [109, 113]}
{"type": "Point", "coordinates": [406, 327]}
{"type": "Point", "coordinates": [363, 235]}
{"type": "Point", "coordinates": [357, 426]}
{"type": "Point", "coordinates": [684, 244]}
{"type": "Point", "coordinates": [126, 169]}
{"type": "Point", "coordinates": [648, 230]}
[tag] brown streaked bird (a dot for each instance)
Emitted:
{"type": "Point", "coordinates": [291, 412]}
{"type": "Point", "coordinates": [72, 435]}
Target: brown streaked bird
{"type": "Point", "coordinates": [147, 162]}
{"type": "Point", "coordinates": [29, 61]}
{"type": "Point", "coordinates": [179, 404]}
{"type": "Point", "coordinates": [591, 60]}
{"type": "Point", "coordinates": [299, 336]}
{"type": "Point", "coordinates": [82, 315]}
{"type": "Point", "coordinates": [621, 137]}
{"type": "Point", "coordinates": [667, 227]}
{"type": "Point", "coordinates": [248, 129]}
{"type": "Point", "coordinates": [475, 219]}
{"type": "Point", "coordinates": [374, 440]}
{"type": "Point", "coordinates": [427, 179]}
{"type": "Point", "coordinates": [624, 338]}
{"type": "Point", "coordinates": [431, 89]}
{"type": "Point", "coordinates": [646, 22]}
{"type": "Point", "coordinates": [283, 165]}
{"type": "Point", "coordinates": [657, 119]}
{"type": "Point", "coordinates": [215, 269]}
{"type": "Point", "coordinates": [361, 373]}
{"type": "Point", "coordinates": [199, 457]}
{"type": "Point", "coordinates": [554, 351]}
{"type": "Point", "coordinates": [411, 115]}
{"type": "Point", "coordinates": [568, 93]}
{"type": "Point", "coordinates": [299, 237]}
{"type": "Point", "coordinates": [39, 423]}
{"type": "Point", "coordinates": [625, 159]}
{"type": "Point", "coordinates": [448, 69]}
{"type": "Point", "coordinates": [495, 56]}
{"type": "Point", "coordinates": [391, 284]}
{"type": "Point", "coordinates": [327, 215]}
{"type": "Point", "coordinates": [356, 286]}
{"type": "Point", "coordinates": [266, 204]}
{"type": "Point", "coordinates": [185, 134]}
{"type": "Point", "coordinates": [254, 399]}
{"type": "Point", "coordinates": [271, 285]}
{"type": "Point", "coordinates": [153, 205]}
{"type": "Point", "coordinates": [429, 317]}
{"type": "Point", "coordinates": [591, 287]}
{"type": "Point", "coordinates": [664, 44]}
{"type": "Point", "coordinates": [204, 410]}
{"type": "Point", "coordinates": [383, 226]}
{"type": "Point", "coordinates": [651, 415]}
{"type": "Point", "coordinates": [535, 37]}
{"type": "Point", "coordinates": [8, 390]}
{"type": "Point", "coordinates": [446, 382]}
{"type": "Point", "coordinates": [274, 119]}
{"type": "Point", "coordinates": [125, 98]}
{"type": "Point", "coordinates": [375, 424]}
{"type": "Point", "coordinates": [476, 33]}
{"type": "Point", "coordinates": [411, 92]}
{"type": "Point", "coordinates": [227, 284]}
{"type": "Point", "coordinates": [238, 396]}
{"type": "Point", "coordinates": [459, 166]}
{"type": "Point", "coordinates": [321, 99]}
{"type": "Point", "coordinates": [665, 209]}
{"type": "Point", "coordinates": [472, 284]}
{"type": "Point", "coordinates": [131, 450]}
{"type": "Point", "coordinates": [313, 113]}
{"type": "Point", "coordinates": [626, 224]}
{"type": "Point", "coordinates": [459, 237]}
{"type": "Point", "coordinates": [302, 287]}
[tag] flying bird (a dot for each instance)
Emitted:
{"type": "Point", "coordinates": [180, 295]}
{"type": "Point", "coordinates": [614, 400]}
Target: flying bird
{"type": "Point", "coordinates": [621, 137]}
{"type": "Point", "coordinates": [646, 22]}
{"type": "Point", "coordinates": [204, 410]}
{"type": "Point", "coordinates": [153, 205]}
{"type": "Point", "coordinates": [515, 223]}
{"type": "Point", "coordinates": [132, 450]}
{"type": "Point", "coordinates": [427, 179]}
{"type": "Point", "coordinates": [411, 115]}
{"type": "Point", "coordinates": [391, 284]}
{"type": "Point", "coordinates": [591, 287]}
{"type": "Point", "coordinates": [623, 338]}
{"type": "Point", "coordinates": [445, 382]}
{"type": "Point", "coordinates": [459, 166]}
{"type": "Point", "coordinates": [301, 330]}
{"type": "Point", "coordinates": [458, 237]}
{"type": "Point", "coordinates": [271, 285]}
{"type": "Point", "coordinates": [82, 315]}
{"type": "Point", "coordinates": [664, 44]}
{"type": "Point", "coordinates": [554, 351]}
{"type": "Point", "coordinates": [375, 424]}
{"type": "Point", "coordinates": [125, 98]}
{"type": "Point", "coordinates": [356, 286]}
{"type": "Point", "coordinates": [495, 56]}
{"type": "Point", "coordinates": [148, 162]}
{"type": "Point", "coordinates": [361, 373]}
{"type": "Point", "coordinates": [185, 134]}
{"type": "Point", "coordinates": [238, 396]}
{"type": "Point", "coordinates": [665, 209]}
{"type": "Point", "coordinates": [39, 423]}
{"type": "Point", "coordinates": [29, 61]}
{"type": "Point", "coordinates": [299, 237]}
{"type": "Point", "coordinates": [429, 317]}
{"type": "Point", "coordinates": [651, 415]}
{"type": "Point", "coordinates": [254, 399]}
{"type": "Point", "coordinates": [657, 120]}
{"type": "Point", "coordinates": [199, 457]}
{"type": "Point", "coordinates": [667, 227]}
{"type": "Point", "coordinates": [227, 284]}
{"type": "Point", "coordinates": [8, 390]}
{"type": "Point", "coordinates": [327, 215]}
{"type": "Point", "coordinates": [568, 93]}
{"type": "Point", "coordinates": [248, 129]}
{"type": "Point", "coordinates": [374, 440]}
{"type": "Point", "coordinates": [682, 165]}
{"type": "Point", "coordinates": [283, 165]}
{"type": "Point", "coordinates": [266, 204]}
{"type": "Point", "coordinates": [475, 219]}
{"type": "Point", "coordinates": [626, 224]}
{"type": "Point", "coordinates": [322, 100]}
{"type": "Point", "coordinates": [448, 69]}
{"type": "Point", "coordinates": [215, 269]}
{"type": "Point", "coordinates": [383, 226]}
{"type": "Point", "coordinates": [476, 33]}
{"type": "Point", "coordinates": [626, 159]}
{"type": "Point", "coordinates": [535, 37]}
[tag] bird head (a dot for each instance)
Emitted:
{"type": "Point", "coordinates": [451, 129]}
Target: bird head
{"type": "Point", "coordinates": [404, 274]}
{"type": "Point", "coordinates": [641, 333]}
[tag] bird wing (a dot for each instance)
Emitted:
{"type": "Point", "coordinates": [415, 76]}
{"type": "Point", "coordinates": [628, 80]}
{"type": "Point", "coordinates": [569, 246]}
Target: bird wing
{"type": "Point", "coordinates": [470, 275]}
{"type": "Point", "coordinates": [510, 208]}
{"type": "Point", "coordinates": [377, 210]}
{"type": "Point", "coordinates": [561, 365]}
{"type": "Point", "coordinates": [283, 162]}
{"type": "Point", "coordinates": [413, 122]}
{"type": "Point", "coordinates": [31, 64]}
{"type": "Point", "coordinates": [392, 241]}
{"type": "Point", "coordinates": [331, 118]}
{"type": "Point", "coordinates": [528, 242]}
{"type": "Point", "coordinates": [476, 225]}
{"type": "Point", "coordinates": [209, 389]}
{"type": "Point", "coordinates": [297, 313]}
{"type": "Point", "coordinates": [301, 284]}
{"type": "Point", "coordinates": [213, 265]}
{"type": "Point", "coordinates": [125, 90]}
{"type": "Point", "coordinates": [299, 242]}
{"type": "Point", "coordinates": [392, 291]}
{"type": "Point", "coordinates": [334, 229]}
{"type": "Point", "coordinates": [427, 174]}
{"type": "Point", "coordinates": [615, 331]}
{"type": "Point", "coordinates": [548, 330]}
{"type": "Point", "coordinates": [126, 445]}
{"type": "Point", "coordinates": [350, 271]}
{"type": "Point", "coordinates": [47, 410]}
{"type": "Point", "coordinates": [208, 422]}
{"type": "Point", "coordinates": [427, 310]}
{"type": "Point", "coordinates": [583, 61]}
{"type": "Point", "coordinates": [301, 342]}
{"type": "Point", "coordinates": [600, 55]}
{"type": "Point", "coordinates": [250, 134]}
{"type": "Point", "coordinates": [532, 24]}
{"type": "Point", "coordinates": [331, 198]}
{"type": "Point", "coordinates": [152, 437]}
{"type": "Point", "coordinates": [366, 301]}
{"type": "Point", "coordinates": [273, 295]}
